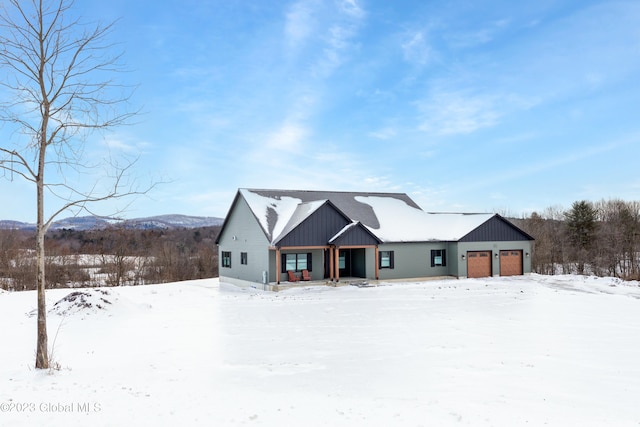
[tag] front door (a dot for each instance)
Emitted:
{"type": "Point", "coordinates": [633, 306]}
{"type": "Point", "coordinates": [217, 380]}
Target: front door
{"type": "Point", "coordinates": [344, 262]}
{"type": "Point", "coordinates": [351, 262]}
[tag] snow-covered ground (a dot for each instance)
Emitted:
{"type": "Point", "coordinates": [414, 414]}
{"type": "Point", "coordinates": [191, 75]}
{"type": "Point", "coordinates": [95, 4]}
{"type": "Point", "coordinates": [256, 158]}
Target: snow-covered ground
{"type": "Point", "coordinates": [534, 350]}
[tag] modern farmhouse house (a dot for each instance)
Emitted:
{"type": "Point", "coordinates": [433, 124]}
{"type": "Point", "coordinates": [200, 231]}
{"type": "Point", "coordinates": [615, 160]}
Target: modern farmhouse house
{"type": "Point", "coordinates": [274, 236]}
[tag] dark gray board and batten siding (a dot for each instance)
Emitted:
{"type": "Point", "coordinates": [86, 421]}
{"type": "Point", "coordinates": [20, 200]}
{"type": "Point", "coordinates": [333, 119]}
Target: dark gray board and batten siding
{"type": "Point", "coordinates": [357, 235]}
{"type": "Point", "coordinates": [496, 229]}
{"type": "Point", "coordinates": [317, 229]}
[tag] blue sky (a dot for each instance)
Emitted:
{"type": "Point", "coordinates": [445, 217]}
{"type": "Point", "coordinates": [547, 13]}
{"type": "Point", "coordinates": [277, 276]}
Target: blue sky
{"type": "Point", "coordinates": [476, 106]}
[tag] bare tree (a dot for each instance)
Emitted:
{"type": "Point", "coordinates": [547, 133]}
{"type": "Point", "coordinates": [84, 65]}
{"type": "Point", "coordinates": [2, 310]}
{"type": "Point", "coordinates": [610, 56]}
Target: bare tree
{"type": "Point", "coordinates": [57, 90]}
{"type": "Point", "coordinates": [548, 229]}
{"type": "Point", "coordinates": [117, 261]}
{"type": "Point", "coordinates": [618, 238]}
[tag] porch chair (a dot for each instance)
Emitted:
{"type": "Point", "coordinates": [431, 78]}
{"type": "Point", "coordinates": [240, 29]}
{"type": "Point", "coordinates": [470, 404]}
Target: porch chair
{"type": "Point", "coordinates": [292, 276]}
{"type": "Point", "coordinates": [306, 276]}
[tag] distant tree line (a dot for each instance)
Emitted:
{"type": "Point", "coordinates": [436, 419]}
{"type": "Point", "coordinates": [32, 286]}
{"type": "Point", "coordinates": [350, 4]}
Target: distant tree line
{"type": "Point", "coordinates": [601, 238]}
{"type": "Point", "coordinates": [114, 256]}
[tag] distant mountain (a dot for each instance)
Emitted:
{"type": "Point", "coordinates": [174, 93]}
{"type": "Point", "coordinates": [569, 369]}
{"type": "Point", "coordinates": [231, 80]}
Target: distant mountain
{"type": "Point", "coordinates": [6, 224]}
{"type": "Point", "coordinates": [173, 221]}
{"type": "Point", "coordinates": [82, 223]}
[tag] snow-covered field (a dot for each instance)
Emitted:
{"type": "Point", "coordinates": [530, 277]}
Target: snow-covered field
{"type": "Point", "coordinates": [534, 350]}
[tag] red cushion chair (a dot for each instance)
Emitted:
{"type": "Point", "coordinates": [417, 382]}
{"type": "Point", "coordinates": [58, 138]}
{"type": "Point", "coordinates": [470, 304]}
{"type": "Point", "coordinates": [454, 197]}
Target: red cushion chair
{"type": "Point", "coordinates": [292, 276]}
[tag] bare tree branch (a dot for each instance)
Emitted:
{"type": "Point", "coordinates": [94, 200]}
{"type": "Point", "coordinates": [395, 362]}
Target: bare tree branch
{"type": "Point", "coordinates": [55, 74]}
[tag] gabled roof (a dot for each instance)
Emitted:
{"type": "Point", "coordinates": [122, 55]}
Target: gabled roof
{"type": "Point", "coordinates": [302, 212]}
{"type": "Point", "coordinates": [496, 229]}
{"type": "Point", "coordinates": [389, 217]}
{"type": "Point", "coordinates": [355, 234]}
{"type": "Point", "coordinates": [275, 209]}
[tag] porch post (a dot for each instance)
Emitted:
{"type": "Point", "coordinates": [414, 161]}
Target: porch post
{"type": "Point", "coordinates": [278, 265]}
{"type": "Point", "coordinates": [376, 255]}
{"type": "Point", "coordinates": [337, 263]}
{"type": "Point", "coordinates": [331, 249]}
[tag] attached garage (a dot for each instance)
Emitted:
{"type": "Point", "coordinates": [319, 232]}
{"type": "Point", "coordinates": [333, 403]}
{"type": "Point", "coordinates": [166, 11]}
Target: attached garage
{"type": "Point", "coordinates": [495, 248]}
{"type": "Point", "coordinates": [511, 263]}
{"type": "Point", "coordinates": [479, 264]}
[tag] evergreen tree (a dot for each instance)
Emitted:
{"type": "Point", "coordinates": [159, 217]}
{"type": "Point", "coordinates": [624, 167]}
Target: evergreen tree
{"type": "Point", "coordinates": [581, 228]}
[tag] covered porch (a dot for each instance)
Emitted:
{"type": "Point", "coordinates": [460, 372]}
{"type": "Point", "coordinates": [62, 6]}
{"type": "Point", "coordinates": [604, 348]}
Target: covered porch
{"type": "Point", "coordinates": [331, 263]}
{"type": "Point", "coordinates": [351, 252]}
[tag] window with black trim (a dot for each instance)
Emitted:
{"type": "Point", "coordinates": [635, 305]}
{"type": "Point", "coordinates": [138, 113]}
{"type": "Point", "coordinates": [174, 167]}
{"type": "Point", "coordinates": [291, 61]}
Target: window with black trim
{"type": "Point", "coordinates": [243, 258]}
{"type": "Point", "coordinates": [438, 258]}
{"type": "Point", "coordinates": [226, 259]}
{"type": "Point", "coordinates": [296, 262]}
{"type": "Point", "coordinates": [385, 259]}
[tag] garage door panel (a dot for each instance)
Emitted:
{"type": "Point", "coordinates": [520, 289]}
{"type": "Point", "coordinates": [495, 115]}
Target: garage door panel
{"type": "Point", "coordinates": [479, 264]}
{"type": "Point", "coordinates": [511, 263]}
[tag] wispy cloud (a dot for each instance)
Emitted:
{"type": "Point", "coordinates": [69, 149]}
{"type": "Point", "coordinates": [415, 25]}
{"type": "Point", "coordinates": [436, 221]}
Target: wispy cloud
{"type": "Point", "coordinates": [375, 183]}
{"type": "Point", "coordinates": [300, 22]}
{"type": "Point", "coordinates": [559, 160]}
{"type": "Point", "coordinates": [196, 72]}
{"type": "Point", "coordinates": [416, 49]}
{"type": "Point", "coordinates": [351, 8]}
{"type": "Point", "coordinates": [333, 24]}
{"type": "Point", "coordinates": [125, 145]}
{"type": "Point", "coordinates": [450, 113]}
{"type": "Point", "coordinates": [287, 138]}
{"type": "Point", "coordinates": [318, 37]}
{"type": "Point", "coordinates": [338, 34]}
{"type": "Point", "coordinates": [479, 36]}
{"type": "Point", "coordinates": [384, 133]}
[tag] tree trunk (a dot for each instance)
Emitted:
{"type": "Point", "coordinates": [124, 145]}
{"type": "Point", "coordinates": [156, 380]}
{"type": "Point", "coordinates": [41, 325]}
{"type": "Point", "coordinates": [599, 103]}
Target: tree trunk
{"type": "Point", "coordinates": [42, 354]}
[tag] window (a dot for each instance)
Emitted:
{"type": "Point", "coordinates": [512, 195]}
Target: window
{"type": "Point", "coordinates": [296, 262]}
{"type": "Point", "coordinates": [226, 259]}
{"type": "Point", "coordinates": [438, 258]}
{"type": "Point", "coordinates": [243, 258]}
{"type": "Point", "coordinates": [342, 261]}
{"type": "Point", "coordinates": [385, 259]}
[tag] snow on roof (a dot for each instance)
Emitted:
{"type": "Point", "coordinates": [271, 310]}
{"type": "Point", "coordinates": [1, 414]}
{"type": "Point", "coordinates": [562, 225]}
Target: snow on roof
{"type": "Point", "coordinates": [392, 217]}
{"type": "Point", "coordinates": [344, 230]}
{"type": "Point", "coordinates": [302, 212]}
{"type": "Point", "coordinates": [400, 222]}
{"type": "Point", "coordinates": [272, 213]}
